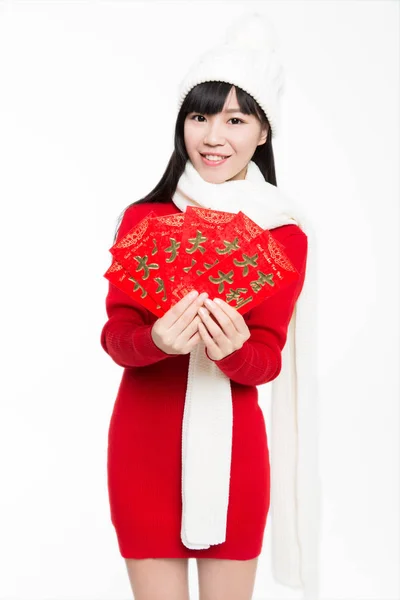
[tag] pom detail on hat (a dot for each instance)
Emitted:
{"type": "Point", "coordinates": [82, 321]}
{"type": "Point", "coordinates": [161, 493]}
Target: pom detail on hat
{"type": "Point", "coordinates": [254, 31]}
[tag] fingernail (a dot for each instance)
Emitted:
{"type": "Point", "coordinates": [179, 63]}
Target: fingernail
{"type": "Point", "coordinates": [193, 294]}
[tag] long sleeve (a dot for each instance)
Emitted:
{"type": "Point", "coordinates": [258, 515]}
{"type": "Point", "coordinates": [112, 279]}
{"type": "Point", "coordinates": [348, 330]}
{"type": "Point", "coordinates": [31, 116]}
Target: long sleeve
{"type": "Point", "coordinates": [126, 336]}
{"type": "Point", "coordinates": [259, 360]}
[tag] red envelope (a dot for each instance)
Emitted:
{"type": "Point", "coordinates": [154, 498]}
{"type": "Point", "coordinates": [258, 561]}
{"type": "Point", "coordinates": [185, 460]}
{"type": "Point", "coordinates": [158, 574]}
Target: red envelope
{"type": "Point", "coordinates": [139, 254]}
{"type": "Point", "coordinates": [200, 228]}
{"type": "Point", "coordinates": [127, 245]}
{"type": "Point", "coordinates": [238, 231]}
{"type": "Point", "coordinates": [247, 276]}
{"type": "Point", "coordinates": [167, 233]}
{"type": "Point", "coordinates": [119, 277]}
{"type": "Point", "coordinates": [240, 262]}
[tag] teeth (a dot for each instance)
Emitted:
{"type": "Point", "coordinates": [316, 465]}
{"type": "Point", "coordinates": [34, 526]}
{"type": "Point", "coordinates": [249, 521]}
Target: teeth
{"type": "Point", "coordinates": [214, 158]}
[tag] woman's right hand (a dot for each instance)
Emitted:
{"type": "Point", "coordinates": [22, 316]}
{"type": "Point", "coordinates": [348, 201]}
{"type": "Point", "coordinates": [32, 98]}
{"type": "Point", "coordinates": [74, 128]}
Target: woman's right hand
{"type": "Point", "coordinates": [176, 332]}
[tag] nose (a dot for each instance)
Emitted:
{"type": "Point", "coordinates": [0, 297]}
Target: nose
{"type": "Point", "coordinates": [213, 135]}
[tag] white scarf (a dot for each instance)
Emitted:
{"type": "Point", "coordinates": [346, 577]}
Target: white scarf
{"type": "Point", "coordinates": [208, 416]}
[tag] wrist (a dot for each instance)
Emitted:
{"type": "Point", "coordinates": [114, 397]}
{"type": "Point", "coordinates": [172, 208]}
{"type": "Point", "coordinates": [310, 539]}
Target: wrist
{"type": "Point", "coordinates": [218, 360]}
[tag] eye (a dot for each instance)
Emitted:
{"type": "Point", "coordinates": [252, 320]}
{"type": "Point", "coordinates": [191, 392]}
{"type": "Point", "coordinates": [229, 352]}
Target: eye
{"type": "Point", "coordinates": [233, 118]}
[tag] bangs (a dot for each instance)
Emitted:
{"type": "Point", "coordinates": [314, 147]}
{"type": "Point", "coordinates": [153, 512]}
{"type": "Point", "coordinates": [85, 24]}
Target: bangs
{"type": "Point", "coordinates": [209, 98]}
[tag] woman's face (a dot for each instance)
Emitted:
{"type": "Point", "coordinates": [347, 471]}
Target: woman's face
{"type": "Point", "coordinates": [232, 134]}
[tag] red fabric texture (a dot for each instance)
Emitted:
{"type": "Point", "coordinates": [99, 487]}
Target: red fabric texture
{"type": "Point", "coordinates": [145, 432]}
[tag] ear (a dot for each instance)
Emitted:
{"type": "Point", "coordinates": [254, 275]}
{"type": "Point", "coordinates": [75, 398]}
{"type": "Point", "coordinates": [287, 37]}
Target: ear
{"type": "Point", "coordinates": [263, 135]}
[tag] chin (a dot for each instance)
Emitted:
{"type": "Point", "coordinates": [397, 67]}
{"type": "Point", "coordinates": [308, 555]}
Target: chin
{"type": "Point", "coordinates": [213, 177]}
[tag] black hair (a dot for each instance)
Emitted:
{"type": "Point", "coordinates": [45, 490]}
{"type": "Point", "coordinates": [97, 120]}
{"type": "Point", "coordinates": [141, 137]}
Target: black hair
{"type": "Point", "coordinates": [208, 98]}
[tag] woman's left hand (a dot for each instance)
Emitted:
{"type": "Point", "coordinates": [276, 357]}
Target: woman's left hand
{"type": "Point", "coordinates": [227, 333]}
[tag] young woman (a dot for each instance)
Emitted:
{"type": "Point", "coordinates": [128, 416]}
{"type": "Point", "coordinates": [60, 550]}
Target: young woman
{"type": "Point", "coordinates": [216, 117]}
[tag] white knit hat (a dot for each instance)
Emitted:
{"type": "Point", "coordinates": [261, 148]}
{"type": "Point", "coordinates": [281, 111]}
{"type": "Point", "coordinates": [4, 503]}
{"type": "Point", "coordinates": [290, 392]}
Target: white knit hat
{"type": "Point", "coordinates": [247, 58]}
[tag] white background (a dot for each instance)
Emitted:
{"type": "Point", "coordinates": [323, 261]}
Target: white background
{"type": "Point", "coordinates": [87, 114]}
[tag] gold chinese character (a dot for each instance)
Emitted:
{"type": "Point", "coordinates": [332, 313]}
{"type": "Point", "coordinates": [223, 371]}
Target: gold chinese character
{"type": "Point", "coordinates": [223, 278]}
{"type": "Point", "coordinates": [173, 248]}
{"type": "Point", "coordinates": [235, 294]}
{"type": "Point", "coordinates": [248, 260]}
{"type": "Point", "coordinates": [262, 280]}
{"type": "Point", "coordinates": [142, 260]}
{"type": "Point", "coordinates": [229, 246]}
{"type": "Point", "coordinates": [137, 287]}
{"type": "Point", "coordinates": [199, 239]}
{"type": "Point", "coordinates": [161, 287]}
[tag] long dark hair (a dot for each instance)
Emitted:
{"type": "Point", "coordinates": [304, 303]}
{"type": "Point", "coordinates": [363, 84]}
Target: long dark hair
{"type": "Point", "coordinates": [208, 98]}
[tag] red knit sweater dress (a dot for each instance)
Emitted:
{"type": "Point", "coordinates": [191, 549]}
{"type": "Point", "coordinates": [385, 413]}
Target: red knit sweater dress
{"type": "Point", "coordinates": [145, 432]}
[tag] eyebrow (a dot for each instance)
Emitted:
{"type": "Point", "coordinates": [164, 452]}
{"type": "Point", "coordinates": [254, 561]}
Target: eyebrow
{"type": "Point", "coordinates": [231, 110]}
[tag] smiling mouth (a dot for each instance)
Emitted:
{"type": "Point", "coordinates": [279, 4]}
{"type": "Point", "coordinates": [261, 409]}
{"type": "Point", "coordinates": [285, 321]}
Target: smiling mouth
{"type": "Point", "coordinates": [220, 156]}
